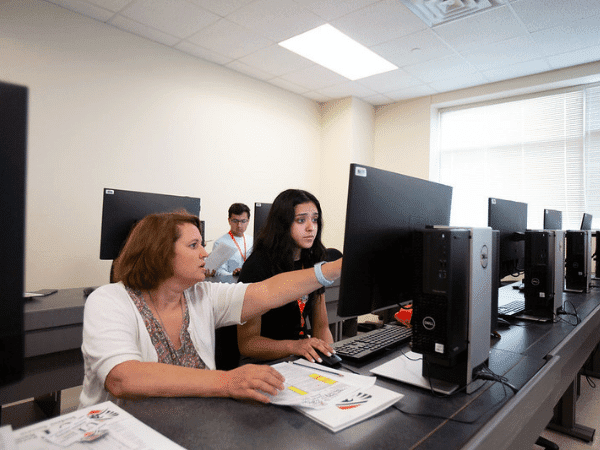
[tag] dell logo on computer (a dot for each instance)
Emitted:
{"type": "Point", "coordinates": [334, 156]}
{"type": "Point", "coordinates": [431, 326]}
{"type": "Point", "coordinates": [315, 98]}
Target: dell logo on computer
{"type": "Point", "coordinates": [428, 323]}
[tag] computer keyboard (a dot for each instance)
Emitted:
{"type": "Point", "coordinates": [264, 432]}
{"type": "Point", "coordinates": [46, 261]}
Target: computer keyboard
{"type": "Point", "coordinates": [364, 345]}
{"type": "Point", "coordinates": [512, 308]}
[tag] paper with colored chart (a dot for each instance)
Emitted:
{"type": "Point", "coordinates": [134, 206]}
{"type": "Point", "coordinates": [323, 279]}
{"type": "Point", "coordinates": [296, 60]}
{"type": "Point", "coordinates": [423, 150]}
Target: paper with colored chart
{"type": "Point", "coordinates": [313, 386]}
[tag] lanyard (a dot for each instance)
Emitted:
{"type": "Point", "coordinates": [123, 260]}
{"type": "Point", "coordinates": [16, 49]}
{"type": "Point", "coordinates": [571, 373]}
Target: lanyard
{"type": "Point", "coordinates": [238, 247]}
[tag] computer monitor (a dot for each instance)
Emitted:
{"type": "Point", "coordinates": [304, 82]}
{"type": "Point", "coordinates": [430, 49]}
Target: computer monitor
{"type": "Point", "coordinates": [383, 209]}
{"type": "Point", "coordinates": [552, 219]}
{"type": "Point", "coordinates": [586, 222]}
{"type": "Point", "coordinates": [13, 144]}
{"type": "Point", "coordinates": [261, 212]}
{"type": "Point", "coordinates": [510, 219]}
{"type": "Point", "coordinates": [121, 210]}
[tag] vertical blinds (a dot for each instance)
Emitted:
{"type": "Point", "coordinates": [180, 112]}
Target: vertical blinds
{"type": "Point", "coordinates": [543, 151]}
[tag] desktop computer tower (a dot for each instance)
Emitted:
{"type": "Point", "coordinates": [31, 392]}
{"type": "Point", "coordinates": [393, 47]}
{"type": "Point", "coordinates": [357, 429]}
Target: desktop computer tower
{"type": "Point", "coordinates": [495, 261]}
{"type": "Point", "coordinates": [559, 268]}
{"type": "Point", "coordinates": [539, 271]}
{"type": "Point", "coordinates": [452, 302]}
{"type": "Point", "coordinates": [578, 260]}
{"type": "Point", "coordinates": [597, 253]}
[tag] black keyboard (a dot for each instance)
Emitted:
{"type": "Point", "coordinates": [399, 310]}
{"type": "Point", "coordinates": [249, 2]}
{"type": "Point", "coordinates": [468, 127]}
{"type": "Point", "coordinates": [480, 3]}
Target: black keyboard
{"type": "Point", "coordinates": [512, 308]}
{"type": "Point", "coordinates": [364, 345]}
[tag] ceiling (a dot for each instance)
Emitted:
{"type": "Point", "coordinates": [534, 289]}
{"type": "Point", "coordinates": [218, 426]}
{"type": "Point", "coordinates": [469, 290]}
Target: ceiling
{"type": "Point", "coordinates": [511, 39]}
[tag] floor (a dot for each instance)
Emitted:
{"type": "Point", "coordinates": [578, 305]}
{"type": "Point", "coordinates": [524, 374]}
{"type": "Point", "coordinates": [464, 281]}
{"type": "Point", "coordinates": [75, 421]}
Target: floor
{"type": "Point", "coordinates": [588, 414]}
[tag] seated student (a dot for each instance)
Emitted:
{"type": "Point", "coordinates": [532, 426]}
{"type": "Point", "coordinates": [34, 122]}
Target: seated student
{"type": "Point", "coordinates": [289, 240]}
{"type": "Point", "coordinates": [152, 332]}
{"type": "Point", "coordinates": [239, 216]}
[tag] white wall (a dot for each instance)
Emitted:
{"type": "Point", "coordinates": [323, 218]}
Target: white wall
{"type": "Point", "coordinates": [347, 137]}
{"type": "Point", "coordinates": [109, 109]}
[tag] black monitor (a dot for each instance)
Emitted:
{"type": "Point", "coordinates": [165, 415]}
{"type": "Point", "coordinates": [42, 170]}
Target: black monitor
{"type": "Point", "coordinates": [261, 212]}
{"type": "Point", "coordinates": [383, 210]}
{"type": "Point", "coordinates": [13, 144]}
{"type": "Point", "coordinates": [510, 219]}
{"type": "Point", "coordinates": [123, 209]}
{"type": "Point", "coordinates": [552, 219]}
{"type": "Point", "coordinates": [586, 222]}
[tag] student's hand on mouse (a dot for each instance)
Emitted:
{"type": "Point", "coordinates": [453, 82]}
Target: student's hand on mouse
{"type": "Point", "coordinates": [252, 381]}
{"type": "Point", "coordinates": [237, 271]}
{"type": "Point", "coordinates": [306, 348]}
{"type": "Point", "coordinates": [210, 273]}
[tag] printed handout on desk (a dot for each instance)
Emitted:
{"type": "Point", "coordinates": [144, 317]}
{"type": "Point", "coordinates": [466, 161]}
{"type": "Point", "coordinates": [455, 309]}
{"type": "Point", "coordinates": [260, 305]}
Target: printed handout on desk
{"type": "Point", "coordinates": [313, 386]}
{"type": "Point", "coordinates": [218, 256]}
{"type": "Point", "coordinates": [104, 426]}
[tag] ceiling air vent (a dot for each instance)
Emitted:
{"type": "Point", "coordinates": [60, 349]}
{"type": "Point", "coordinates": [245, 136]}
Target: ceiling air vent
{"type": "Point", "coordinates": [434, 12]}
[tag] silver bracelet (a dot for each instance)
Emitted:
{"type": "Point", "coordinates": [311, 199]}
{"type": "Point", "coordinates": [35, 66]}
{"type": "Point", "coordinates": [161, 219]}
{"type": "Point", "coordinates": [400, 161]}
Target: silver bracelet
{"type": "Point", "coordinates": [319, 274]}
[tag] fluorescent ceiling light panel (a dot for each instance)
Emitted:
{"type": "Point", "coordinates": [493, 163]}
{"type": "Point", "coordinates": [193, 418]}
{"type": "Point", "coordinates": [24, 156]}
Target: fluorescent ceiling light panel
{"type": "Point", "coordinates": [334, 50]}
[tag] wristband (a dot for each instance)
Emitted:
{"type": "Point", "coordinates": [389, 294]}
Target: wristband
{"type": "Point", "coordinates": [319, 274]}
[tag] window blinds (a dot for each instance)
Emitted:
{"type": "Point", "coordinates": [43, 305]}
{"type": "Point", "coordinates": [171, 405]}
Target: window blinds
{"type": "Point", "coordinates": [542, 150]}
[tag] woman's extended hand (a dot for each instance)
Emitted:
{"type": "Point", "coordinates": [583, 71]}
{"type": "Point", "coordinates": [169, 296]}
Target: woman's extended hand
{"type": "Point", "coordinates": [307, 348]}
{"type": "Point", "coordinates": [250, 381]}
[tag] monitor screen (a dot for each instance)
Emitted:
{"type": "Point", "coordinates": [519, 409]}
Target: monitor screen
{"type": "Point", "coordinates": [383, 210]}
{"type": "Point", "coordinates": [552, 219]}
{"type": "Point", "coordinates": [586, 222]}
{"type": "Point", "coordinates": [13, 144]}
{"type": "Point", "coordinates": [261, 212]}
{"type": "Point", "coordinates": [510, 219]}
{"type": "Point", "coordinates": [123, 209]}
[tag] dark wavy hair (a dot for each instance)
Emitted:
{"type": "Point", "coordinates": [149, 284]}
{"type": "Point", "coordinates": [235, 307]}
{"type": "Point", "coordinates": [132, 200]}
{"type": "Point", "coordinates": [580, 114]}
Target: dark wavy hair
{"type": "Point", "coordinates": [275, 237]}
{"type": "Point", "coordinates": [147, 257]}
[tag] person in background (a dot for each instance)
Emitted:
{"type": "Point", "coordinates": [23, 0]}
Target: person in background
{"type": "Point", "coordinates": [289, 240]}
{"type": "Point", "coordinates": [239, 216]}
{"type": "Point", "coordinates": [152, 333]}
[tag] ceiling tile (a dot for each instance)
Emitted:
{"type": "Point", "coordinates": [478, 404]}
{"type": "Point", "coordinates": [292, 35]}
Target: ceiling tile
{"type": "Point", "coordinates": [153, 34]}
{"type": "Point", "coordinates": [231, 39]}
{"type": "Point", "coordinates": [393, 80]}
{"type": "Point", "coordinates": [221, 7]}
{"type": "Point", "coordinates": [380, 22]}
{"type": "Point", "coordinates": [453, 84]}
{"type": "Point", "coordinates": [378, 100]}
{"type": "Point", "coordinates": [111, 5]}
{"type": "Point", "coordinates": [287, 85]}
{"type": "Point", "coordinates": [277, 20]}
{"type": "Point", "coordinates": [348, 89]}
{"type": "Point", "coordinates": [481, 29]}
{"type": "Point", "coordinates": [569, 36]}
{"type": "Point", "coordinates": [89, 10]}
{"type": "Point", "coordinates": [314, 77]}
{"type": "Point", "coordinates": [517, 70]}
{"type": "Point", "coordinates": [538, 15]}
{"type": "Point", "coordinates": [239, 66]}
{"type": "Point", "coordinates": [200, 52]}
{"type": "Point", "coordinates": [412, 92]}
{"type": "Point", "coordinates": [577, 57]}
{"type": "Point", "coordinates": [504, 53]}
{"type": "Point", "coordinates": [276, 60]}
{"type": "Point", "coordinates": [332, 9]}
{"type": "Point", "coordinates": [443, 68]}
{"type": "Point", "coordinates": [414, 48]}
{"type": "Point", "coordinates": [317, 96]}
{"type": "Point", "coordinates": [175, 17]}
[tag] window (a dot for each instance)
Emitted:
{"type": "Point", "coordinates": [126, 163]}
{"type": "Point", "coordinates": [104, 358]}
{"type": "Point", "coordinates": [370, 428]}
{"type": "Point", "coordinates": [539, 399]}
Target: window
{"type": "Point", "coordinates": [542, 150]}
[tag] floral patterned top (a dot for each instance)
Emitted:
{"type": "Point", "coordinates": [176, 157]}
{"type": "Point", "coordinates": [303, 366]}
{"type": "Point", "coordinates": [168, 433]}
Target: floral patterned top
{"type": "Point", "coordinates": [186, 355]}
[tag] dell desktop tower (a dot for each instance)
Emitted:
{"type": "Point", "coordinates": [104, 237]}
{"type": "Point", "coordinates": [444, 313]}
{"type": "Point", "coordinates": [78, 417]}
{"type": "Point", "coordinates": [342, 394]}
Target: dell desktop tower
{"type": "Point", "coordinates": [539, 271]}
{"type": "Point", "coordinates": [578, 260]}
{"type": "Point", "coordinates": [452, 302]}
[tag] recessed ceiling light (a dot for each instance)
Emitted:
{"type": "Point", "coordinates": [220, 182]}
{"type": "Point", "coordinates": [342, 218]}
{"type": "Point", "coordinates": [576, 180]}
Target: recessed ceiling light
{"type": "Point", "coordinates": [332, 49]}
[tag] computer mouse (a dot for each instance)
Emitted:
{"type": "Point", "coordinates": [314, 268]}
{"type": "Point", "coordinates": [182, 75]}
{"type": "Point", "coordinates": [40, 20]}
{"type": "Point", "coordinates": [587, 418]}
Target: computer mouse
{"type": "Point", "coordinates": [331, 361]}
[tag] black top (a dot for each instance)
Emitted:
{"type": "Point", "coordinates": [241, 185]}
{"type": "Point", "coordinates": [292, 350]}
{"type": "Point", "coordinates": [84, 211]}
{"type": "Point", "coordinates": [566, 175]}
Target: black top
{"type": "Point", "coordinates": [283, 322]}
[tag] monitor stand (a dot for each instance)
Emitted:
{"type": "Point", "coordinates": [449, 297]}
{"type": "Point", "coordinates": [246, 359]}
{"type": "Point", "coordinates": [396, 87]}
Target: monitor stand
{"type": "Point", "coordinates": [408, 368]}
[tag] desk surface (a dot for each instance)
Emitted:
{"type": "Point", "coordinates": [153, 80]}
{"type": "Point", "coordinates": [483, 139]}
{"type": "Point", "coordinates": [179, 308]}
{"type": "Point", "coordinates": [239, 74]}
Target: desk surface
{"type": "Point", "coordinates": [539, 359]}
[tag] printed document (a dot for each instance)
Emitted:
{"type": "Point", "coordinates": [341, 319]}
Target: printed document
{"type": "Point", "coordinates": [311, 385]}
